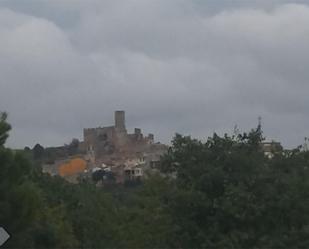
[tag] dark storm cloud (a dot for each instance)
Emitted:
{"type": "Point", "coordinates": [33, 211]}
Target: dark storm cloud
{"type": "Point", "coordinates": [174, 66]}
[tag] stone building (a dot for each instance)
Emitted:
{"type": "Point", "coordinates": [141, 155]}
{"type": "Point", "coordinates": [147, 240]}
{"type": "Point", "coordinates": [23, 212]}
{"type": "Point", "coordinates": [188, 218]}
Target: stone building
{"type": "Point", "coordinates": [114, 146]}
{"type": "Point", "coordinates": [127, 155]}
{"type": "Point", "coordinates": [271, 148]}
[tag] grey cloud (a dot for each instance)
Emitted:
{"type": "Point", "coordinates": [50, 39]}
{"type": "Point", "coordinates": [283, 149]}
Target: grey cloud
{"type": "Point", "coordinates": [172, 65]}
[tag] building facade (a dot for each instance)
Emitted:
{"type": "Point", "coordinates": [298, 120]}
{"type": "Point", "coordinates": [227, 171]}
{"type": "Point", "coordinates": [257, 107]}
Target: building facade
{"type": "Point", "coordinates": [114, 146]}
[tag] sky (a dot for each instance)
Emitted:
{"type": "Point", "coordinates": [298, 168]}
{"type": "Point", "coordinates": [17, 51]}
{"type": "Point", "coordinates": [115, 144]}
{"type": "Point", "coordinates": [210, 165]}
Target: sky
{"type": "Point", "coordinates": [188, 66]}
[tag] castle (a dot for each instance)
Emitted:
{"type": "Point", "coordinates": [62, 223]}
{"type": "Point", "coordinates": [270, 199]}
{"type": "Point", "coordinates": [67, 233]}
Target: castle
{"type": "Point", "coordinates": [113, 145]}
{"type": "Point", "coordinates": [127, 155]}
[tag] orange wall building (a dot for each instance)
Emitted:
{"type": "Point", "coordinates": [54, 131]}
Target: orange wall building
{"type": "Point", "coordinates": [74, 166]}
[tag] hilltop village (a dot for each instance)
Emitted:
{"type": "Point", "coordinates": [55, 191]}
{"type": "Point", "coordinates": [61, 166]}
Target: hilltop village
{"type": "Point", "coordinates": [109, 153]}
{"type": "Point", "coordinates": [112, 155]}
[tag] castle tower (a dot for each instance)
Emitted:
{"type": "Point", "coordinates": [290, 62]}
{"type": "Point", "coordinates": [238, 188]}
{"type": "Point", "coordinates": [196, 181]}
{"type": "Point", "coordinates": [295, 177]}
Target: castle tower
{"type": "Point", "coordinates": [120, 120]}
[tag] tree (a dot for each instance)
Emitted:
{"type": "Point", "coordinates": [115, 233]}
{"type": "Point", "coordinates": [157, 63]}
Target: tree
{"type": "Point", "coordinates": [4, 128]}
{"type": "Point", "coordinates": [224, 193]}
{"type": "Point", "coordinates": [228, 194]}
{"type": "Point", "coordinates": [98, 175]}
{"type": "Point", "coordinates": [73, 146]}
{"type": "Point", "coordinates": [38, 152]}
{"type": "Point", "coordinates": [23, 210]}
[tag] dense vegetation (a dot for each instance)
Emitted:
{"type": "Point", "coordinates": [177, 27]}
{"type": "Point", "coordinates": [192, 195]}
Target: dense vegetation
{"type": "Point", "coordinates": [223, 193]}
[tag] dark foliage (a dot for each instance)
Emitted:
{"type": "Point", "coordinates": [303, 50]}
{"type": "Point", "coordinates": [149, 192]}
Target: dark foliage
{"type": "Point", "coordinates": [223, 193]}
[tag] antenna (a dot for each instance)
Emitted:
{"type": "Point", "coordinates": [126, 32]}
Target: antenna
{"type": "Point", "coordinates": [259, 121]}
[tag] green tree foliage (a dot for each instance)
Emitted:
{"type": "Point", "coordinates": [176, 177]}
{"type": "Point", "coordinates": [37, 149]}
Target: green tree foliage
{"type": "Point", "coordinates": [72, 148]}
{"type": "Point", "coordinates": [4, 128]}
{"type": "Point", "coordinates": [23, 211]}
{"type": "Point", "coordinates": [38, 151]}
{"type": "Point", "coordinates": [222, 193]}
{"type": "Point", "coordinates": [145, 218]}
{"type": "Point", "coordinates": [228, 194]}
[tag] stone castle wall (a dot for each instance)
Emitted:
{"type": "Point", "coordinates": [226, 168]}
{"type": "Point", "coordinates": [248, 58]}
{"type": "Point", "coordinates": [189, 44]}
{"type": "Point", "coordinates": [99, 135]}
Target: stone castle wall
{"type": "Point", "coordinates": [107, 143]}
{"type": "Point", "coordinates": [110, 146]}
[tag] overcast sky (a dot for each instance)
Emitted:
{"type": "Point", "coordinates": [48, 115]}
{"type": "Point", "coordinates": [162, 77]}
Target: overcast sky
{"type": "Point", "coordinates": [187, 66]}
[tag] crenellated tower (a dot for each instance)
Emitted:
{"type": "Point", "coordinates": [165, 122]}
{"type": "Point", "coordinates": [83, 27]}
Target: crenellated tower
{"type": "Point", "coordinates": [120, 122]}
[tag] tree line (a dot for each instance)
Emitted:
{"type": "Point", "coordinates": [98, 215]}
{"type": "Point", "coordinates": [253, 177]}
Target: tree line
{"type": "Point", "coordinates": [222, 193]}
